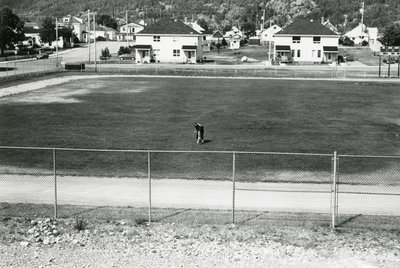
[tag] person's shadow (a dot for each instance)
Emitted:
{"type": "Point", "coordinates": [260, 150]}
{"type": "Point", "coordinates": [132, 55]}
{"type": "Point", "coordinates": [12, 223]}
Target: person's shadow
{"type": "Point", "coordinates": [207, 141]}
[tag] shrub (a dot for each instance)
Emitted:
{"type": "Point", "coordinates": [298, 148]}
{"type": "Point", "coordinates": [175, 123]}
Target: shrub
{"type": "Point", "coordinates": [124, 50]}
{"type": "Point", "coordinates": [364, 43]}
{"type": "Point", "coordinates": [80, 225]}
{"type": "Point", "coordinates": [105, 53]}
{"type": "Point", "coordinates": [100, 38]}
{"type": "Point", "coordinates": [224, 43]}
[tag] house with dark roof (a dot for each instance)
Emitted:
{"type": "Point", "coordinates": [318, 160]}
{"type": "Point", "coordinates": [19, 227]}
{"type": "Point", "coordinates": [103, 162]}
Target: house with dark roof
{"type": "Point", "coordinates": [306, 41]}
{"type": "Point", "coordinates": [168, 40]}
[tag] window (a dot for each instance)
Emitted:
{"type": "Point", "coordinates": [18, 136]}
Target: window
{"type": "Point", "coordinates": [296, 39]}
{"type": "Point", "coordinates": [319, 53]}
{"type": "Point", "coordinates": [123, 29]}
{"type": "Point", "coordinates": [156, 52]}
{"type": "Point", "coordinates": [329, 56]}
{"type": "Point", "coordinates": [177, 53]}
{"type": "Point", "coordinates": [298, 53]}
{"type": "Point", "coordinates": [132, 30]}
{"type": "Point", "coordinates": [292, 53]}
{"type": "Point", "coordinates": [156, 38]}
{"type": "Point", "coordinates": [317, 39]}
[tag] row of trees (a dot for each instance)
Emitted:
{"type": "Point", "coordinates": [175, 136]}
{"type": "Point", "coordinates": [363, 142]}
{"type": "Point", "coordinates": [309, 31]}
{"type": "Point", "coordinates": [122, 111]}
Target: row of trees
{"type": "Point", "coordinates": [12, 30]}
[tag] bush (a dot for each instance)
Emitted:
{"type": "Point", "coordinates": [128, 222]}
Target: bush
{"type": "Point", "coordinates": [224, 43]}
{"type": "Point", "coordinates": [100, 38]}
{"type": "Point", "coordinates": [124, 50]}
{"type": "Point", "coordinates": [364, 43]}
{"type": "Point", "coordinates": [105, 53]}
{"type": "Point", "coordinates": [80, 225]}
{"type": "Point", "coordinates": [345, 41]}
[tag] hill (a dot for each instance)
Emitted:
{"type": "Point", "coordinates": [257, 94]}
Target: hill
{"type": "Point", "coordinates": [220, 13]}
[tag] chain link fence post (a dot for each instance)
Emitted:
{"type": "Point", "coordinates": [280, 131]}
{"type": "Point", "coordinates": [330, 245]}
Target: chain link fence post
{"type": "Point", "coordinates": [233, 186]}
{"type": "Point", "coordinates": [149, 177]}
{"type": "Point", "coordinates": [334, 190]}
{"type": "Point", "coordinates": [55, 183]}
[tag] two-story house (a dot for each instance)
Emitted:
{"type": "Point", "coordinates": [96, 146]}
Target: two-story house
{"type": "Point", "coordinates": [75, 23]}
{"type": "Point", "coordinates": [129, 31]}
{"type": "Point", "coordinates": [168, 40]}
{"type": "Point", "coordinates": [306, 41]}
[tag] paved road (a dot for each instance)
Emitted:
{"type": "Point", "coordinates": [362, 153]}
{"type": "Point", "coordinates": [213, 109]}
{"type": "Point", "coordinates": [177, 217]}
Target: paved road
{"type": "Point", "coordinates": [196, 194]}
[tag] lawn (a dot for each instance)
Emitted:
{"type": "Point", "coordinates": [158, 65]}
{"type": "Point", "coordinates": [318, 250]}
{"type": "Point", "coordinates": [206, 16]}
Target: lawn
{"type": "Point", "coordinates": [159, 113]}
{"type": "Point", "coordinates": [363, 54]}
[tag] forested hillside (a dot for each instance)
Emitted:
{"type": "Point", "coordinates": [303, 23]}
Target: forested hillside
{"type": "Point", "coordinates": [220, 13]}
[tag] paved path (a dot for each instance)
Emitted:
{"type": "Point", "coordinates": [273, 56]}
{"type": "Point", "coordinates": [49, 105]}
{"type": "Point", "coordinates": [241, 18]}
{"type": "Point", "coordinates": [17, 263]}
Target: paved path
{"type": "Point", "coordinates": [196, 194]}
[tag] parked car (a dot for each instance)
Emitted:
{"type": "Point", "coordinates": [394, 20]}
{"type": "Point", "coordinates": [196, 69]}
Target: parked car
{"type": "Point", "coordinates": [348, 57]}
{"type": "Point", "coordinates": [126, 57]}
{"type": "Point", "coordinates": [390, 60]}
{"type": "Point", "coordinates": [42, 55]}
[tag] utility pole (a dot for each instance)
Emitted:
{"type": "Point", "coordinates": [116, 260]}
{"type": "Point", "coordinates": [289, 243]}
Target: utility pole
{"type": "Point", "coordinates": [94, 31]}
{"type": "Point", "coordinates": [56, 42]}
{"type": "Point", "coordinates": [269, 42]}
{"type": "Point", "coordinates": [88, 33]}
{"type": "Point", "coordinates": [127, 28]}
{"type": "Point", "coordinates": [362, 12]}
{"type": "Point", "coordinates": [263, 21]}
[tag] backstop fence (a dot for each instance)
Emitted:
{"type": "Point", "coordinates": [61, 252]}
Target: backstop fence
{"type": "Point", "coordinates": [11, 70]}
{"type": "Point", "coordinates": [201, 186]}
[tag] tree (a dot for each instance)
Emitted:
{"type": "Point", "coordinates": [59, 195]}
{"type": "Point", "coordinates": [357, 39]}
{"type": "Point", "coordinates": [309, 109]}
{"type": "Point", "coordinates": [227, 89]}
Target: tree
{"type": "Point", "coordinates": [66, 33]}
{"type": "Point", "coordinates": [10, 29]}
{"type": "Point", "coordinates": [391, 35]}
{"type": "Point", "coordinates": [48, 30]}
{"type": "Point", "coordinates": [107, 20]}
{"type": "Point", "coordinates": [105, 54]}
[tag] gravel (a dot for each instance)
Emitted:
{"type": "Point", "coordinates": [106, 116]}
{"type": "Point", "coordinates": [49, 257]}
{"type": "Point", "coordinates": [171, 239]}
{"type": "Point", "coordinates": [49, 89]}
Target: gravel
{"type": "Point", "coordinates": [49, 242]}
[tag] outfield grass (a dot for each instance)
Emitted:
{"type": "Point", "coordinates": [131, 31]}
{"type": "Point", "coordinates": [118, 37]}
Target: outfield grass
{"type": "Point", "coordinates": [159, 113]}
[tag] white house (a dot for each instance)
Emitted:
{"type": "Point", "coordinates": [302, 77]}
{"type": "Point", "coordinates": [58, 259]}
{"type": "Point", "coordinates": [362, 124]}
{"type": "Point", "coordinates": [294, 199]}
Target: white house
{"type": "Point", "coordinates": [129, 31]}
{"type": "Point", "coordinates": [234, 41]}
{"type": "Point", "coordinates": [75, 23]}
{"type": "Point", "coordinates": [268, 34]}
{"type": "Point", "coordinates": [358, 34]}
{"type": "Point", "coordinates": [305, 41]}
{"type": "Point", "coordinates": [102, 31]}
{"type": "Point", "coordinates": [168, 40]}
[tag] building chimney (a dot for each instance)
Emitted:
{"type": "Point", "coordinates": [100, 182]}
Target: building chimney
{"type": "Point", "coordinates": [322, 20]}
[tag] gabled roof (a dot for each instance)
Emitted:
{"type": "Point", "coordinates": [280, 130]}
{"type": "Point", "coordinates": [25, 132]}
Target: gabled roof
{"type": "Point", "coordinates": [132, 24]}
{"type": "Point", "coordinates": [304, 26]}
{"type": "Point", "coordinates": [169, 26]}
{"type": "Point", "coordinates": [218, 34]}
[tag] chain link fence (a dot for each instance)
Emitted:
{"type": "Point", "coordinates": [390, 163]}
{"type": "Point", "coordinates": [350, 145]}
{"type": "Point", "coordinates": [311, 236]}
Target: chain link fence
{"type": "Point", "coordinates": [12, 70]}
{"type": "Point", "coordinates": [201, 186]}
{"type": "Point", "coordinates": [214, 70]}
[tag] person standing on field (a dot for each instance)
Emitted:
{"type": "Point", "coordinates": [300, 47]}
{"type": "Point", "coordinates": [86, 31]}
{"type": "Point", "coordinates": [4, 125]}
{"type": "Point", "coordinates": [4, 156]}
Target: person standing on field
{"type": "Point", "coordinates": [199, 130]}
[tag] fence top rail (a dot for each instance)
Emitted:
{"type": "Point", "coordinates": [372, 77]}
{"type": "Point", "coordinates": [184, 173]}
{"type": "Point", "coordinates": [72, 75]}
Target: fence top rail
{"type": "Point", "coordinates": [369, 156]}
{"type": "Point", "coordinates": [159, 151]}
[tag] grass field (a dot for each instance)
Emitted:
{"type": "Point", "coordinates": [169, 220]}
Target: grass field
{"type": "Point", "coordinates": [159, 113]}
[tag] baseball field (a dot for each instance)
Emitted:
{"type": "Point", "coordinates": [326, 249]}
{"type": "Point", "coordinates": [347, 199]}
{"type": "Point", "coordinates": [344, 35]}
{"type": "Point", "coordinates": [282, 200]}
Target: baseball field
{"type": "Point", "coordinates": [307, 116]}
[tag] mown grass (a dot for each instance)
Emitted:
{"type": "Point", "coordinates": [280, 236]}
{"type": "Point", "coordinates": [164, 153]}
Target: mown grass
{"type": "Point", "coordinates": [239, 115]}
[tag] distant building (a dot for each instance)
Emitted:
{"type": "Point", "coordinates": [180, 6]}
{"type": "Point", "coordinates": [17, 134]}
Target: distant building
{"type": "Point", "coordinates": [306, 41]}
{"type": "Point", "coordinates": [358, 34]}
{"type": "Point", "coordinates": [102, 31]}
{"type": "Point", "coordinates": [129, 31]}
{"type": "Point", "coordinates": [268, 34]}
{"type": "Point", "coordinates": [168, 40]}
{"type": "Point", "coordinates": [233, 37]}
{"type": "Point", "coordinates": [77, 25]}
{"type": "Point", "coordinates": [330, 26]}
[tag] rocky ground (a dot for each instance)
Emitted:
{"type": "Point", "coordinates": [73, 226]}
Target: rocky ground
{"type": "Point", "coordinates": [80, 243]}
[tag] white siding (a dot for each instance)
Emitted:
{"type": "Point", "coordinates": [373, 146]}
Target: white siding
{"type": "Point", "coordinates": [168, 44]}
{"type": "Point", "coordinates": [306, 46]}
